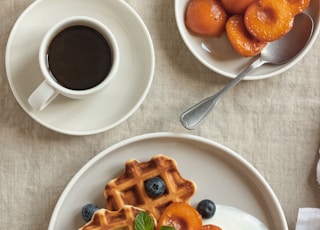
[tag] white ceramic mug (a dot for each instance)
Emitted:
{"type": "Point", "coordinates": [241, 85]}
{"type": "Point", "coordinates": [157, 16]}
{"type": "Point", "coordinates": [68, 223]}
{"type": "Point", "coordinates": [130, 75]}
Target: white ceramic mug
{"type": "Point", "coordinates": [50, 87]}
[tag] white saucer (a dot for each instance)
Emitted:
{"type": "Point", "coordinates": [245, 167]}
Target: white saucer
{"type": "Point", "coordinates": [105, 110]}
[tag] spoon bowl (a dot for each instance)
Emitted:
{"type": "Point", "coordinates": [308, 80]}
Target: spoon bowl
{"type": "Point", "coordinates": [278, 52]}
{"type": "Point", "coordinates": [285, 49]}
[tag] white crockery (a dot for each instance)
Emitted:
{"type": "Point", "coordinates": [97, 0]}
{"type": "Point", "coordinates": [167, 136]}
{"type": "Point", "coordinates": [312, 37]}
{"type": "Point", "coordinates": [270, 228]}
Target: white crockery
{"type": "Point", "coordinates": [218, 55]}
{"type": "Point", "coordinates": [220, 174]}
{"type": "Point", "coordinates": [47, 91]}
{"type": "Point", "coordinates": [112, 105]}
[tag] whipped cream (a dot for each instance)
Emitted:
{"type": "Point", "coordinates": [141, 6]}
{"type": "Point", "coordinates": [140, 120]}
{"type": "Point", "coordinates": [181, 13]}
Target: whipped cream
{"type": "Point", "coordinates": [230, 218]}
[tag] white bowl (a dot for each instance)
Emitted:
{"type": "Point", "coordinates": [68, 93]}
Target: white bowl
{"type": "Point", "coordinates": [218, 55]}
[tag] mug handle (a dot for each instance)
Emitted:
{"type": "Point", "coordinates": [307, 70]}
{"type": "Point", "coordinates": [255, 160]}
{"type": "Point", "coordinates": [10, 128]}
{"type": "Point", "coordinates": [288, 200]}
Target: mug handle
{"type": "Point", "coordinates": [42, 96]}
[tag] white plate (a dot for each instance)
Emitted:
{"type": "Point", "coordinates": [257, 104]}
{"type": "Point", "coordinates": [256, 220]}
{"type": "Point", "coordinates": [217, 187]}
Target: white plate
{"type": "Point", "coordinates": [218, 55]}
{"type": "Point", "coordinates": [104, 110]}
{"type": "Point", "coordinates": [220, 174]}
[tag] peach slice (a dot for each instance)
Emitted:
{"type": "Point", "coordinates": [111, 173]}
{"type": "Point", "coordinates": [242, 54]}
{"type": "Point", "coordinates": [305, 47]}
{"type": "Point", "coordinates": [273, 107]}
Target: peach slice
{"type": "Point", "coordinates": [210, 227]}
{"type": "Point", "coordinates": [298, 6]}
{"type": "Point", "coordinates": [181, 216]}
{"type": "Point", "coordinates": [206, 17]}
{"type": "Point", "coordinates": [236, 6]}
{"type": "Point", "coordinates": [269, 20]}
{"type": "Point", "coordinates": [242, 42]}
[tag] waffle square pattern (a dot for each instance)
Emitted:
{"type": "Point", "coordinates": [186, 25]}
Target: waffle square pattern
{"type": "Point", "coordinates": [129, 187]}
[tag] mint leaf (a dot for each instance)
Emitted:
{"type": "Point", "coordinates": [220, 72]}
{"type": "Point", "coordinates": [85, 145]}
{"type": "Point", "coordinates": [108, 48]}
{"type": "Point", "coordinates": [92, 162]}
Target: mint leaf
{"type": "Point", "coordinates": [167, 228]}
{"type": "Point", "coordinates": [143, 222]}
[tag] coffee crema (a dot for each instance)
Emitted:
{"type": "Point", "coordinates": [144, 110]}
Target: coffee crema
{"type": "Point", "coordinates": [79, 58]}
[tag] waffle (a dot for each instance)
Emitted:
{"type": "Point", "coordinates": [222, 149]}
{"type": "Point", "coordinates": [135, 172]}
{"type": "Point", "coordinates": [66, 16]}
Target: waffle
{"type": "Point", "coordinates": [128, 188]}
{"type": "Point", "coordinates": [113, 220]}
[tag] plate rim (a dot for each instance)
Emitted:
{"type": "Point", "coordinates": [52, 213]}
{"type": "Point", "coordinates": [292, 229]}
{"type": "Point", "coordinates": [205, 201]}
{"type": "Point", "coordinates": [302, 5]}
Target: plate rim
{"type": "Point", "coordinates": [101, 128]}
{"type": "Point", "coordinates": [176, 136]}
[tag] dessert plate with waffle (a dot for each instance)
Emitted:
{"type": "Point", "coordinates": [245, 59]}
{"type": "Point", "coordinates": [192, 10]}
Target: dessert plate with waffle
{"type": "Point", "coordinates": [192, 168]}
{"type": "Point", "coordinates": [217, 53]}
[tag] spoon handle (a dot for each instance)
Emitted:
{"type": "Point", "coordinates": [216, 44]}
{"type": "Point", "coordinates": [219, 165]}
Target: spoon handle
{"type": "Point", "coordinates": [193, 116]}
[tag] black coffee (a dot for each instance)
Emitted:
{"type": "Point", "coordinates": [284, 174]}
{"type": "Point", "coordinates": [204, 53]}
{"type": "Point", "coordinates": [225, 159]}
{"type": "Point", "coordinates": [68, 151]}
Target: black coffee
{"type": "Point", "coordinates": [79, 58]}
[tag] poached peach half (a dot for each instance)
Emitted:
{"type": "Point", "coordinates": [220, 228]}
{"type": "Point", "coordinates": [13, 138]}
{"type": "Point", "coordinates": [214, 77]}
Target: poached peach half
{"type": "Point", "coordinates": [241, 40]}
{"type": "Point", "coordinates": [236, 6]}
{"type": "Point", "coordinates": [298, 6]}
{"type": "Point", "coordinates": [181, 216]}
{"type": "Point", "coordinates": [210, 227]}
{"type": "Point", "coordinates": [269, 20]}
{"type": "Point", "coordinates": [206, 17]}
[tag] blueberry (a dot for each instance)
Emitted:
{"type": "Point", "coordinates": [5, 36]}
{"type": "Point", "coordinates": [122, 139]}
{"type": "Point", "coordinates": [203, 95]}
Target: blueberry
{"type": "Point", "coordinates": [88, 211]}
{"type": "Point", "coordinates": [155, 187]}
{"type": "Point", "coordinates": [206, 208]}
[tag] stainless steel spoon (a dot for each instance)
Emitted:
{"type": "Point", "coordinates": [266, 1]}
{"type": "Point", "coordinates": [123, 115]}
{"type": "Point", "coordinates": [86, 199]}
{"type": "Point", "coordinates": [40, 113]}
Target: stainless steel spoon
{"type": "Point", "coordinates": [278, 52]}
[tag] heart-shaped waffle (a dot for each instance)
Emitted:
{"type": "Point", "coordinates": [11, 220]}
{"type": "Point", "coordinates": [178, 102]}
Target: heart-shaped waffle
{"type": "Point", "coordinates": [113, 220]}
{"type": "Point", "coordinates": [129, 187]}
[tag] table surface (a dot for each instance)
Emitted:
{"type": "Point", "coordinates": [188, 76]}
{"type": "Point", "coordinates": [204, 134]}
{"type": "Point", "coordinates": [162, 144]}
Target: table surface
{"type": "Point", "coordinates": [273, 123]}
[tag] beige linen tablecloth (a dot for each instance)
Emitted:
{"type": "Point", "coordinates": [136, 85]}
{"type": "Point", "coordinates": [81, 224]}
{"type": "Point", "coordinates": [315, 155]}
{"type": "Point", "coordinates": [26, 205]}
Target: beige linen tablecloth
{"type": "Point", "coordinates": [273, 123]}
